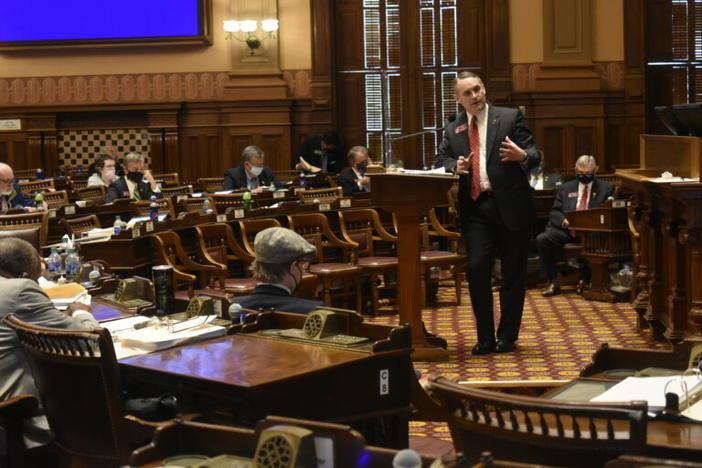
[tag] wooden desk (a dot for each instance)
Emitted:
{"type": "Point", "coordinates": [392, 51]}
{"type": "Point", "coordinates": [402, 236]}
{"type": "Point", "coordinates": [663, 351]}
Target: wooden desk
{"type": "Point", "coordinates": [251, 376]}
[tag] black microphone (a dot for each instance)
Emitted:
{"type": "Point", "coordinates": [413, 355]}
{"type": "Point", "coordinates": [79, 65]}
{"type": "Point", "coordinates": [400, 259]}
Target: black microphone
{"type": "Point", "coordinates": [424, 132]}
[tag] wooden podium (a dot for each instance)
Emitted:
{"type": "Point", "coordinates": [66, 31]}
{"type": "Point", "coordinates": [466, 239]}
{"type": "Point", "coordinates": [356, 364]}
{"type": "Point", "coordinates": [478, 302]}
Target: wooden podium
{"type": "Point", "coordinates": [605, 234]}
{"type": "Point", "coordinates": [409, 197]}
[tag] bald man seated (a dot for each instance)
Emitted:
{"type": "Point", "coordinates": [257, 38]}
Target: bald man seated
{"type": "Point", "coordinates": [10, 194]}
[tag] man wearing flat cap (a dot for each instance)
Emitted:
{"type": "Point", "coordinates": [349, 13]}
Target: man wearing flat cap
{"type": "Point", "coordinates": [281, 255]}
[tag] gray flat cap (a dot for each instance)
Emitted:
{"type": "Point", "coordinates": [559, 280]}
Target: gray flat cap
{"type": "Point", "coordinates": [281, 245]}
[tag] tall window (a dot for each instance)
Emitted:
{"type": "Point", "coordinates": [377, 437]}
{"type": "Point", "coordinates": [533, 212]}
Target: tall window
{"type": "Point", "coordinates": [373, 76]}
{"type": "Point", "coordinates": [682, 62]}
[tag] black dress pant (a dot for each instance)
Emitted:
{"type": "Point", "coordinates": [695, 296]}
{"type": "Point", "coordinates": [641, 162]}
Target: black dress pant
{"type": "Point", "coordinates": [550, 244]}
{"type": "Point", "coordinates": [485, 236]}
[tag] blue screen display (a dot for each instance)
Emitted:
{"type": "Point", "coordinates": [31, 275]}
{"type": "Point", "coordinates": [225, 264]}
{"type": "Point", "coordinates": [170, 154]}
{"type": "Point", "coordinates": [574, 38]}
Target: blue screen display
{"type": "Point", "coordinates": [49, 20]}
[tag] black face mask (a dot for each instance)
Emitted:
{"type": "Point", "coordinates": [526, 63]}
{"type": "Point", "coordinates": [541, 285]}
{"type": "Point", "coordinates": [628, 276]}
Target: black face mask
{"type": "Point", "coordinates": [585, 178]}
{"type": "Point", "coordinates": [362, 167]}
{"type": "Point", "coordinates": [135, 176]}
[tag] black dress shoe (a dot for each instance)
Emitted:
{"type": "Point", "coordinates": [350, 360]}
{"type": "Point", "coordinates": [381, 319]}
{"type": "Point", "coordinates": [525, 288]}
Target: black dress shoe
{"type": "Point", "coordinates": [504, 346]}
{"type": "Point", "coordinates": [551, 290]}
{"type": "Point", "coordinates": [482, 348]}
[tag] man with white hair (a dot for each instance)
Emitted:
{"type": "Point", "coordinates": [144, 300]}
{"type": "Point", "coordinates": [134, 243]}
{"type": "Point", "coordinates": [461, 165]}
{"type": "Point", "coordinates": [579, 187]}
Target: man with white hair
{"type": "Point", "coordinates": [137, 183]}
{"type": "Point", "coordinates": [10, 194]}
{"type": "Point", "coordinates": [581, 194]}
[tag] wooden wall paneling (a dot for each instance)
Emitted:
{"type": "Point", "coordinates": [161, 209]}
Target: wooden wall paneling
{"type": "Point", "coordinates": [498, 70]}
{"type": "Point", "coordinates": [411, 84]}
{"type": "Point", "coordinates": [307, 121]}
{"type": "Point", "coordinates": [471, 30]}
{"type": "Point", "coordinates": [163, 140]}
{"type": "Point", "coordinates": [13, 149]}
{"type": "Point", "coordinates": [323, 55]}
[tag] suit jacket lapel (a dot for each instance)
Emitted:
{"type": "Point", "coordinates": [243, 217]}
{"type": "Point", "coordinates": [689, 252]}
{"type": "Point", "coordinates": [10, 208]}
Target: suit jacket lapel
{"type": "Point", "coordinates": [463, 137]}
{"type": "Point", "coordinates": [493, 122]}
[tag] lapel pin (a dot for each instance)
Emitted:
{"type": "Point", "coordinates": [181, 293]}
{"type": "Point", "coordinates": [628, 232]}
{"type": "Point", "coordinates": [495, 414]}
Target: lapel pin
{"type": "Point", "coordinates": [494, 121]}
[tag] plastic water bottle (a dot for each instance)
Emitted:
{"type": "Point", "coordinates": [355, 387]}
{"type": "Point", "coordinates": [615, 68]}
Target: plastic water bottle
{"type": "Point", "coordinates": [247, 200]}
{"type": "Point", "coordinates": [54, 262]}
{"type": "Point", "coordinates": [117, 225]}
{"type": "Point", "coordinates": [206, 206]}
{"type": "Point", "coordinates": [72, 264]}
{"type": "Point", "coordinates": [39, 201]}
{"type": "Point", "coordinates": [94, 275]}
{"type": "Point", "coordinates": [153, 209]}
{"type": "Point", "coordinates": [236, 313]}
{"type": "Point", "coordinates": [40, 174]}
{"type": "Point", "coordinates": [302, 179]}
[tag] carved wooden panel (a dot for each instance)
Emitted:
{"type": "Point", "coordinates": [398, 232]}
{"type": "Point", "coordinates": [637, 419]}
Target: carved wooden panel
{"type": "Point", "coordinates": [13, 149]}
{"type": "Point", "coordinates": [567, 31]}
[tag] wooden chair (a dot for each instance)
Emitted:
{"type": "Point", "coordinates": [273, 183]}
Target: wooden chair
{"type": "Point", "coordinates": [538, 430]}
{"type": "Point", "coordinates": [12, 412]}
{"type": "Point", "coordinates": [168, 250]}
{"type": "Point", "coordinates": [81, 184]}
{"type": "Point", "coordinates": [56, 199]}
{"type": "Point", "coordinates": [75, 226]}
{"type": "Point", "coordinates": [26, 226]}
{"type": "Point", "coordinates": [248, 228]}
{"type": "Point", "coordinates": [196, 204]}
{"type": "Point", "coordinates": [167, 180]}
{"type": "Point", "coordinates": [25, 174]}
{"type": "Point", "coordinates": [223, 201]}
{"type": "Point", "coordinates": [78, 380]}
{"type": "Point", "coordinates": [143, 207]}
{"type": "Point", "coordinates": [177, 191]}
{"type": "Point", "coordinates": [315, 228]}
{"type": "Point", "coordinates": [33, 186]}
{"type": "Point", "coordinates": [217, 246]}
{"type": "Point", "coordinates": [211, 184]}
{"type": "Point", "coordinates": [363, 228]}
{"type": "Point", "coordinates": [323, 195]}
{"type": "Point", "coordinates": [434, 258]}
{"type": "Point", "coordinates": [94, 192]}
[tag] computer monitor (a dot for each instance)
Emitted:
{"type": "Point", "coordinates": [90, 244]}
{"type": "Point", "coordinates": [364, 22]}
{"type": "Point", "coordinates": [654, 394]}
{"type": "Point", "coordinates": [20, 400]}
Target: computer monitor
{"type": "Point", "coordinates": [665, 114]}
{"type": "Point", "coordinates": [690, 116]}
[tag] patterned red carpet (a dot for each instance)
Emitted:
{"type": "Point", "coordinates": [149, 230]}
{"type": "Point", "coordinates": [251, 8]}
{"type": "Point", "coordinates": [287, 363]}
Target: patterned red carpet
{"type": "Point", "coordinates": [557, 339]}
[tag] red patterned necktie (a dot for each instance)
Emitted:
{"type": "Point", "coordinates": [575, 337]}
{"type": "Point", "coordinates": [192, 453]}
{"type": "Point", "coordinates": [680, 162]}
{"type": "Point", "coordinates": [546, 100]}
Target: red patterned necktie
{"type": "Point", "coordinates": [475, 159]}
{"type": "Point", "coordinates": [582, 204]}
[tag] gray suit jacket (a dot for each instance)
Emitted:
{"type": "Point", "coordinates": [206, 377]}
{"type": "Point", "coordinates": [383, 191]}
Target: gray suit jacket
{"type": "Point", "coordinates": [25, 298]}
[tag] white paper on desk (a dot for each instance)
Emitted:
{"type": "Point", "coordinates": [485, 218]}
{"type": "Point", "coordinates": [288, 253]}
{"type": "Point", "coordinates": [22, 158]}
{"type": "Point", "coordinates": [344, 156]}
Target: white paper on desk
{"type": "Point", "coordinates": [651, 389]}
{"type": "Point", "coordinates": [223, 192]}
{"type": "Point", "coordinates": [98, 233]}
{"type": "Point", "coordinates": [138, 219]}
{"type": "Point", "coordinates": [667, 180]}
{"type": "Point", "coordinates": [124, 324]}
{"type": "Point", "coordinates": [435, 171]}
{"type": "Point", "coordinates": [154, 339]}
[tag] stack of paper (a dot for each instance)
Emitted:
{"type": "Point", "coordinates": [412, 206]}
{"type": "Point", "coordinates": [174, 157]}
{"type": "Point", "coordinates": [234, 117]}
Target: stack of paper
{"type": "Point", "coordinates": [66, 294]}
{"type": "Point", "coordinates": [188, 331]}
{"type": "Point", "coordinates": [653, 390]}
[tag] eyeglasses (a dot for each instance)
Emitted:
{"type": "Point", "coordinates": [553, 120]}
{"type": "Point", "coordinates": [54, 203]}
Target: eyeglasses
{"type": "Point", "coordinates": [7, 181]}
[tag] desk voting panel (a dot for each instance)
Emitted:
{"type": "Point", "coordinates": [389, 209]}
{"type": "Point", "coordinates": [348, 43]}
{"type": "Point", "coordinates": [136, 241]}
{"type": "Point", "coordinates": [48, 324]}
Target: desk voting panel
{"type": "Point", "coordinates": [250, 374]}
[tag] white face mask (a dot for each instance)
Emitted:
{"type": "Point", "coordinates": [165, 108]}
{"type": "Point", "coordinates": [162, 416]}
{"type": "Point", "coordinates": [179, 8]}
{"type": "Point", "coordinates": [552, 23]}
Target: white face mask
{"type": "Point", "coordinates": [256, 170]}
{"type": "Point", "coordinates": [108, 173]}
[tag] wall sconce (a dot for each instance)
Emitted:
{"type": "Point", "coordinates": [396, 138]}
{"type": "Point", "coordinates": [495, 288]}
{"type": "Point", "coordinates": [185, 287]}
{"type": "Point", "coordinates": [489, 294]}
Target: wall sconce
{"type": "Point", "coordinates": [246, 31]}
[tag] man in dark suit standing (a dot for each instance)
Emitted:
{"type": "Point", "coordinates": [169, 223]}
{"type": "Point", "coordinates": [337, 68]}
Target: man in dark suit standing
{"type": "Point", "coordinates": [137, 183]}
{"type": "Point", "coordinates": [581, 194]}
{"type": "Point", "coordinates": [491, 149]}
{"type": "Point", "coordinates": [353, 179]}
{"type": "Point", "coordinates": [252, 174]}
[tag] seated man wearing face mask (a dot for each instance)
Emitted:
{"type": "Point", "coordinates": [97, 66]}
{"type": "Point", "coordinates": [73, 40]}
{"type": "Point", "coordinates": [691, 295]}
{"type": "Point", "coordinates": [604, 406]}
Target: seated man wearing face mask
{"type": "Point", "coordinates": [279, 265]}
{"type": "Point", "coordinates": [353, 179]}
{"type": "Point", "coordinates": [11, 196]}
{"type": "Point", "coordinates": [252, 174]}
{"type": "Point", "coordinates": [20, 267]}
{"type": "Point", "coordinates": [137, 183]}
{"type": "Point", "coordinates": [581, 194]}
{"type": "Point", "coordinates": [540, 180]}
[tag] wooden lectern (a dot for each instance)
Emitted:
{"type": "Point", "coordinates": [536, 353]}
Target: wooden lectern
{"type": "Point", "coordinates": [409, 197]}
{"type": "Point", "coordinates": [605, 234]}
